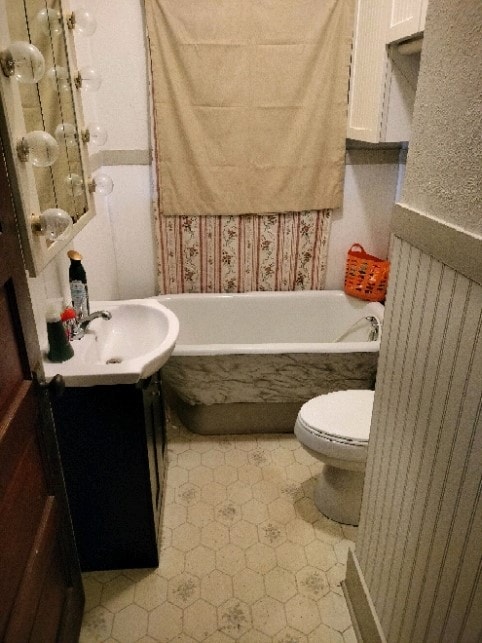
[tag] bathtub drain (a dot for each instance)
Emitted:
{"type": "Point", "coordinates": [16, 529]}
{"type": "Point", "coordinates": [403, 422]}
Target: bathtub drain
{"type": "Point", "coordinates": [114, 360]}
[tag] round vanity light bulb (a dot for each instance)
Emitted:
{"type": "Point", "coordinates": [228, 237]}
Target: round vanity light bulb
{"type": "Point", "coordinates": [97, 134]}
{"type": "Point", "coordinates": [23, 61]}
{"type": "Point", "coordinates": [90, 78]}
{"type": "Point", "coordinates": [59, 78]}
{"type": "Point", "coordinates": [75, 184]}
{"type": "Point", "coordinates": [54, 223]}
{"type": "Point", "coordinates": [66, 134]}
{"type": "Point", "coordinates": [50, 22]}
{"type": "Point", "coordinates": [103, 184]}
{"type": "Point", "coordinates": [41, 148]}
{"type": "Point", "coordinates": [85, 22]}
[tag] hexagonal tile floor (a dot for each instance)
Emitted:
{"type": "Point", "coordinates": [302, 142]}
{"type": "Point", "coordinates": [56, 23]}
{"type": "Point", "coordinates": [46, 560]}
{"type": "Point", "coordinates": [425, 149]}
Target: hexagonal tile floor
{"type": "Point", "coordinates": [245, 555]}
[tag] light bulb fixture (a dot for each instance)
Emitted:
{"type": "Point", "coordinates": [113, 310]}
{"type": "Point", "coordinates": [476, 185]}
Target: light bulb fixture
{"type": "Point", "coordinates": [102, 184]}
{"type": "Point", "coordinates": [89, 79]}
{"type": "Point", "coordinates": [94, 133]}
{"type": "Point", "coordinates": [22, 61]}
{"type": "Point", "coordinates": [54, 224]}
{"type": "Point", "coordinates": [50, 22]}
{"type": "Point", "coordinates": [83, 21]}
{"type": "Point", "coordinates": [59, 78]}
{"type": "Point", "coordinates": [75, 184]}
{"type": "Point", "coordinates": [38, 147]}
{"type": "Point", "coordinates": [66, 134]}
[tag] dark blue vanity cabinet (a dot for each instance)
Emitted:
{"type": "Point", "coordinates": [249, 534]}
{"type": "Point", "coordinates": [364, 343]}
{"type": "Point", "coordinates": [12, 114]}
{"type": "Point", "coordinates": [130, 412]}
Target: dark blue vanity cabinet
{"type": "Point", "coordinates": [111, 442]}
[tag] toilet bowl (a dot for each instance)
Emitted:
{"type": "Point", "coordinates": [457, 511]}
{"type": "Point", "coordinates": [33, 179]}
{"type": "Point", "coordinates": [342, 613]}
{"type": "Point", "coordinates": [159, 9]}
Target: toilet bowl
{"type": "Point", "coordinates": [335, 428]}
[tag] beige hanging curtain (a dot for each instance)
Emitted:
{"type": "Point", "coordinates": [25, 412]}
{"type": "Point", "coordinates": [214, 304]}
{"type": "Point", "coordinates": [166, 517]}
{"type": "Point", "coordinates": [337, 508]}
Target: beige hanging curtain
{"type": "Point", "coordinates": [250, 101]}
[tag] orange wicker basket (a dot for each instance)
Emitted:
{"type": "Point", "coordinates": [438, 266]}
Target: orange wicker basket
{"type": "Point", "coordinates": [366, 276]}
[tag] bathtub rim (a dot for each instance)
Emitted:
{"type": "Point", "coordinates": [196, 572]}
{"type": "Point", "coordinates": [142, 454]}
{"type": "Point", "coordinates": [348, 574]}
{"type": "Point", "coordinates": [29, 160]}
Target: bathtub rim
{"type": "Point", "coordinates": [278, 348]}
{"type": "Point", "coordinates": [195, 350]}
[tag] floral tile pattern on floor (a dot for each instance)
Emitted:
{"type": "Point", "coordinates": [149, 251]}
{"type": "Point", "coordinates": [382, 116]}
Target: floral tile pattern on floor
{"type": "Point", "coordinates": [245, 554]}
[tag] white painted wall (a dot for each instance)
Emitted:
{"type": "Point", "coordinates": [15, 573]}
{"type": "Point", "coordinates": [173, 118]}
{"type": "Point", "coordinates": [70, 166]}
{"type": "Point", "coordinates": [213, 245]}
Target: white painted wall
{"type": "Point", "coordinates": [118, 52]}
{"type": "Point", "coordinates": [365, 218]}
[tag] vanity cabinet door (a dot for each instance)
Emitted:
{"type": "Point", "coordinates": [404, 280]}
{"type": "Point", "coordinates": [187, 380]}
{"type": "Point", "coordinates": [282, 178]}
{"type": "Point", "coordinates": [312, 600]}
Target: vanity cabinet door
{"type": "Point", "coordinates": [111, 449]}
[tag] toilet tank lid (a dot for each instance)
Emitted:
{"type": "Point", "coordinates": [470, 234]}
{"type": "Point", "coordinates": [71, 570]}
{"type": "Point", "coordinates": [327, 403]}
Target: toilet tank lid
{"type": "Point", "coordinates": [346, 414]}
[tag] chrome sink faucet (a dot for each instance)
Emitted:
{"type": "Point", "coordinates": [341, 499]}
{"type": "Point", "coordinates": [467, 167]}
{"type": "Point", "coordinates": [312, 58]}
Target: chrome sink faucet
{"type": "Point", "coordinates": [83, 322]}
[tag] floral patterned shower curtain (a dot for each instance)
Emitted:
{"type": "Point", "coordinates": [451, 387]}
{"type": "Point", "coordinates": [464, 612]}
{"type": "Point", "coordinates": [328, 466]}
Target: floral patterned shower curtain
{"type": "Point", "coordinates": [209, 254]}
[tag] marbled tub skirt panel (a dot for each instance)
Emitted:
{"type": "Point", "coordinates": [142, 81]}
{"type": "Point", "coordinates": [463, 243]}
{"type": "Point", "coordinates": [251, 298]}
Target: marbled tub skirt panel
{"type": "Point", "coordinates": [273, 378]}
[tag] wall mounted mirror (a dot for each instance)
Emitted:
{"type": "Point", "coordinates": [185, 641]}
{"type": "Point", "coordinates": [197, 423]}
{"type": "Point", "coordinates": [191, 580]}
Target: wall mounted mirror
{"type": "Point", "coordinates": [50, 167]}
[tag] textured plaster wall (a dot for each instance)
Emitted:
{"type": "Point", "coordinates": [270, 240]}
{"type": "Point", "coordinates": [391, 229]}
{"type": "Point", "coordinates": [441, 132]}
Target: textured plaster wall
{"type": "Point", "coordinates": [444, 167]}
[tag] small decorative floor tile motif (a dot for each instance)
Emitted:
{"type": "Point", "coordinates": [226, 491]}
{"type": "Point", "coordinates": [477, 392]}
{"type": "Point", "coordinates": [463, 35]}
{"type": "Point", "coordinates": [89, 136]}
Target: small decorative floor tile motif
{"type": "Point", "coordinates": [258, 457]}
{"type": "Point", "coordinates": [272, 533]}
{"type": "Point", "coordinates": [293, 490]}
{"type": "Point", "coordinates": [186, 590]}
{"type": "Point", "coordinates": [227, 513]}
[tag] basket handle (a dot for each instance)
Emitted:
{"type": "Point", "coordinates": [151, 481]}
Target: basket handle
{"type": "Point", "coordinates": [357, 245]}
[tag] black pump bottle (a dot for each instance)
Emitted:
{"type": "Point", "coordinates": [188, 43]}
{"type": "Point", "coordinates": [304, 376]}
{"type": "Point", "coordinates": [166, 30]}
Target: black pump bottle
{"type": "Point", "coordinates": [78, 285]}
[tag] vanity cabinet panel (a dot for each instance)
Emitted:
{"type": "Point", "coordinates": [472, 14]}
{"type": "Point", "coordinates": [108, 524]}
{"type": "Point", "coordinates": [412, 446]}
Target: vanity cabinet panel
{"type": "Point", "coordinates": [111, 444]}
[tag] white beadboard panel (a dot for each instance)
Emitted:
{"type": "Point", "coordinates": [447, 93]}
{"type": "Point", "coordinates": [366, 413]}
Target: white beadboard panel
{"type": "Point", "coordinates": [467, 597]}
{"type": "Point", "coordinates": [447, 479]}
{"type": "Point", "coordinates": [402, 395]}
{"type": "Point", "coordinates": [439, 435]}
{"type": "Point", "coordinates": [378, 444]}
{"type": "Point", "coordinates": [419, 534]}
{"type": "Point", "coordinates": [410, 459]}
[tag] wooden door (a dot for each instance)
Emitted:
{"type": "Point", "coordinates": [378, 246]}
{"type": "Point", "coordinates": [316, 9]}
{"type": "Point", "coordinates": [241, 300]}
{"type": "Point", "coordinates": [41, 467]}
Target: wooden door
{"type": "Point", "coordinates": [41, 595]}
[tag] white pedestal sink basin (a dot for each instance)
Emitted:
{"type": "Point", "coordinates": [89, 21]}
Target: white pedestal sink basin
{"type": "Point", "coordinates": [130, 346]}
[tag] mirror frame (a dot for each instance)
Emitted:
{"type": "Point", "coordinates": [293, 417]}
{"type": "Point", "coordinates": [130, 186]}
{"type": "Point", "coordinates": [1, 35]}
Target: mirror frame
{"type": "Point", "coordinates": [37, 252]}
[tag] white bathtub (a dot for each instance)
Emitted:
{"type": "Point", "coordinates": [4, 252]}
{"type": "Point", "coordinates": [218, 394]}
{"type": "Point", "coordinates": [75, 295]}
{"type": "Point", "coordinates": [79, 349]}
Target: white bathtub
{"type": "Point", "coordinates": [264, 355]}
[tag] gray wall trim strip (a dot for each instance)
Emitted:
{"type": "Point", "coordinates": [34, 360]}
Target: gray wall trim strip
{"type": "Point", "coordinates": [119, 157]}
{"type": "Point", "coordinates": [143, 157]}
{"type": "Point", "coordinates": [362, 611]}
{"type": "Point", "coordinates": [452, 246]}
{"type": "Point", "coordinates": [126, 157]}
{"type": "Point", "coordinates": [372, 157]}
{"type": "Point", "coordinates": [95, 161]}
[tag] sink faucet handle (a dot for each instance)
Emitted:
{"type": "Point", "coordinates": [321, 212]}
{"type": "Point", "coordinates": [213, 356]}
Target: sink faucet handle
{"type": "Point", "coordinates": [83, 322]}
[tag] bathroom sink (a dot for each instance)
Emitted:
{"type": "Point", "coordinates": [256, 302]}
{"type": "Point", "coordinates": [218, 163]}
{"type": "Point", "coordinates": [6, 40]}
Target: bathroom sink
{"type": "Point", "coordinates": [132, 345]}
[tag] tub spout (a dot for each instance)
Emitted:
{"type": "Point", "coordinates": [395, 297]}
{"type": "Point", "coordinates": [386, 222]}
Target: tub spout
{"type": "Point", "coordinates": [374, 333]}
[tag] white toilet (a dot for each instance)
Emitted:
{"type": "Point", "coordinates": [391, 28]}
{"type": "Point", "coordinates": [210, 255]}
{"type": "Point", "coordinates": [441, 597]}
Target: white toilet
{"type": "Point", "coordinates": [335, 428]}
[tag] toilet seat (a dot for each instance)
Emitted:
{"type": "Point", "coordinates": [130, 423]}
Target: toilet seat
{"type": "Point", "coordinates": [343, 417]}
